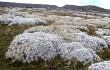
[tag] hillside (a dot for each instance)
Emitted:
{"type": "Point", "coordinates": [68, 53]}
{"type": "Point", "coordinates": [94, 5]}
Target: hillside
{"type": "Point", "coordinates": [44, 39]}
{"type": "Point", "coordinates": [88, 8]}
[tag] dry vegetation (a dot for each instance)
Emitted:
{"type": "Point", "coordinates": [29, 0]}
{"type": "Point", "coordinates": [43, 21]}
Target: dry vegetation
{"type": "Point", "coordinates": [8, 32]}
{"type": "Point", "coordinates": [71, 14]}
{"type": "Point", "coordinates": [6, 36]}
{"type": "Point", "coordinates": [3, 11]}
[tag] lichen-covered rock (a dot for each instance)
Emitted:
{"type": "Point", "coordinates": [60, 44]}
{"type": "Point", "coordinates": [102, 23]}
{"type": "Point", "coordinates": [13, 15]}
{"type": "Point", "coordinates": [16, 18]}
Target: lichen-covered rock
{"type": "Point", "coordinates": [87, 41]}
{"type": "Point", "coordinates": [105, 65]}
{"type": "Point", "coordinates": [28, 47]}
{"type": "Point", "coordinates": [74, 50]}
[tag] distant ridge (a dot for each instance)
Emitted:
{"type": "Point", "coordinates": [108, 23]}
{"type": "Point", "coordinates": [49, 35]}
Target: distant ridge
{"type": "Point", "coordinates": [22, 5]}
{"type": "Point", "coordinates": [89, 8]}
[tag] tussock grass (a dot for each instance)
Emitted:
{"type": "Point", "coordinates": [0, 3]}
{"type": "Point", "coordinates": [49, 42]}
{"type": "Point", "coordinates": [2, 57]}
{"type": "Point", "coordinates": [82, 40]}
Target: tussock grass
{"type": "Point", "coordinates": [105, 55]}
{"type": "Point", "coordinates": [90, 31]}
{"type": "Point", "coordinates": [63, 13]}
{"type": "Point", "coordinates": [69, 14]}
{"type": "Point", "coordinates": [23, 10]}
{"type": "Point", "coordinates": [6, 36]}
{"type": "Point", "coordinates": [2, 11]}
{"type": "Point", "coordinates": [49, 22]}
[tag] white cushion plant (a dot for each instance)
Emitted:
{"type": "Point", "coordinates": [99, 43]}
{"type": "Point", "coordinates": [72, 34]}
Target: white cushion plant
{"type": "Point", "coordinates": [105, 65]}
{"type": "Point", "coordinates": [92, 42]}
{"type": "Point", "coordinates": [107, 39]}
{"type": "Point", "coordinates": [75, 51]}
{"type": "Point", "coordinates": [11, 19]}
{"type": "Point", "coordinates": [28, 47]}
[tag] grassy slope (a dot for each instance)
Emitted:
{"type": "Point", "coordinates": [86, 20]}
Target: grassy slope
{"type": "Point", "coordinates": [6, 36]}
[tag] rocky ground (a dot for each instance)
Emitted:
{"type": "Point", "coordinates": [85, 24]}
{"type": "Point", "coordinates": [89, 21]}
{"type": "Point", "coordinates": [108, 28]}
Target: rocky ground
{"type": "Point", "coordinates": [33, 38]}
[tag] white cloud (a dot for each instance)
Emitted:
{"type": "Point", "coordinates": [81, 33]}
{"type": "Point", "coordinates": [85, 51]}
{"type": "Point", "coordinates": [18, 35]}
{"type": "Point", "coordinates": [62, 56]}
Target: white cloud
{"type": "Point", "coordinates": [105, 3]}
{"type": "Point", "coordinates": [51, 2]}
{"type": "Point", "coordinates": [101, 3]}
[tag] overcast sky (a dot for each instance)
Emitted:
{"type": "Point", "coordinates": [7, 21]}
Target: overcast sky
{"type": "Point", "coordinates": [101, 3]}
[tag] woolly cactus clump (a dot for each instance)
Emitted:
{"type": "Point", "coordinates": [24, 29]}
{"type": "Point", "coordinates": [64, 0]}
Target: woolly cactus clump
{"type": "Point", "coordinates": [75, 51]}
{"type": "Point", "coordinates": [66, 31]}
{"type": "Point", "coordinates": [46, 29]}
{"type": "Point", "coordinates": [5, 20]}
{"type": "Point", "coordinates": [105, 65]}
{"type": "Point", "coordinates": [27, 21]}
{"type": "Point", "coordinates": [11, 19]}
{"type": "Point", "coordinates": [87, 41]}
{"type": "Point", "coordinates": [107, 39]}
{"type": "Point", "coordinates": [28, 47]}
{"type": "Point", "coordinates": [102, 32]}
